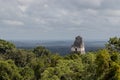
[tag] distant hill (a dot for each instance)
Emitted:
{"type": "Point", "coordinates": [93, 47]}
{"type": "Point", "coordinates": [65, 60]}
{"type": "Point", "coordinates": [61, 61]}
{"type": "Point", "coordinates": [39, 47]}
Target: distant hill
{"type": "Point", "coordinates": [61, 47]}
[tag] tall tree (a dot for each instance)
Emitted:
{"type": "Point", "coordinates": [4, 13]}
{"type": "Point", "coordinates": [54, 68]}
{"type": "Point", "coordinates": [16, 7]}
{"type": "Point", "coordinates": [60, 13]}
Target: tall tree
{"type": "Point", "coordinates": [6, 46]}
{"type": "Point", "coordinates": [113, 44]}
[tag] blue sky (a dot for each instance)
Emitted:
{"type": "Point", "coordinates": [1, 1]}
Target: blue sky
{"type": "Point", "coordinates": [59, 19]}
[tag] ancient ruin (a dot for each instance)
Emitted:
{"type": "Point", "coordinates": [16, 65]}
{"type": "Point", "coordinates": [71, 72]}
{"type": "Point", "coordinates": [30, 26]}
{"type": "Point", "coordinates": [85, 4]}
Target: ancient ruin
{"type": "Point", "coordinates": [78, 46]}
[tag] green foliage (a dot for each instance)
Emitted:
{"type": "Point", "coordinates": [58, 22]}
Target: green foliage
{"type": "Point", "coordinates": [115, 57]}
{"type": "Point", "coordinates": [48, 74]}
{"type": "Point", "coordinates": [53, 60]}
{"type": "Point", "coordinates": [103, 63]}
{"type": "Point", "coordinates": [108, 66]}
{"type": "Point", "coordinates": [113, 73]}
{"type": "Point", "coordinates": [39, 64]}
{"type": "Point", "coordinates": [21, 57]}
{"type": "Point", "coordinates": [67, 69]}
{"type": "Point", "coordinates": [113, 44]}
{"type": "Point", "coordinates": [9, 71]}
{"type": "Point", "coordinates": [6, 46]}
{"type": "Point", "coordinates": [41, 51]}
{"type": "Point", "coordinates": [27, 73]}
{"type": "Point", "coordinates": [89, 69]}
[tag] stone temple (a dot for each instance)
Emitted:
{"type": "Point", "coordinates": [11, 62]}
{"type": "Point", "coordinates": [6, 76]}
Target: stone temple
{"type": "Point", "coordinates": [78, 45]}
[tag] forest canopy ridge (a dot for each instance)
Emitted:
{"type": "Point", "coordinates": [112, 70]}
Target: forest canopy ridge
{"type": "Point", "coordinates": [40, 64]}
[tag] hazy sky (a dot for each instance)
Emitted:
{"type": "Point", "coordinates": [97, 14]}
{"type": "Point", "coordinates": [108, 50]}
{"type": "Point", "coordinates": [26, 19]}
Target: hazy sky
{"type": "Point", "coordinates": [59, 19]}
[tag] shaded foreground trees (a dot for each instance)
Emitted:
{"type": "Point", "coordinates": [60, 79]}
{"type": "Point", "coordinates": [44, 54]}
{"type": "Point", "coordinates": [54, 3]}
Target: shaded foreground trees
{"type": "Point", "coordinates": [6, 46]}
{"type": "Point", "coordinates": [9, 71]}
{"type": "Point", "coordinates": [113, 44]}
{"type": "Point", "coordinates": [40, 64]}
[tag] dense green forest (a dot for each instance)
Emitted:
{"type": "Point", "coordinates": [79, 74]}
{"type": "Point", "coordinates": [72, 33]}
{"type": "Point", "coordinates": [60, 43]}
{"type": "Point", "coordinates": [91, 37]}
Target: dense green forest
{"type": "Point", "coordinates": [40, 64]}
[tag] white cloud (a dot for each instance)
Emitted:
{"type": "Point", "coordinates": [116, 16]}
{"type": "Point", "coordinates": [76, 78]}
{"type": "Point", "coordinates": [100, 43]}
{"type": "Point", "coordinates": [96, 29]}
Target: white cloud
{"type": "Point", "coordinates": [91, 11]}
{"type": "Point", "coordinates": [92, 2]}
{"type": "Point", "coordinates": [114, 20]}
{"type": "Point", "coordinates": [13, 22]}
{"type": "Point", "coordinates": [39, 21]}
{"type": "Point", "coordinates": [61, 15]}
{"type": "Point", "coordinates": [25, 2]}
{"type": "Point", "coordinates": [22, 8]}
{"type": "Point", "coordinates": [46, 5]}
{"type": "Point", "coordinates": [76, 22]}
{"type": "Point", "coordinates": [115, 13]}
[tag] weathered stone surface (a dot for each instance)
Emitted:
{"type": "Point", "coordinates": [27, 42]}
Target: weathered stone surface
{"type": "Point", "coordinates": [78, 45]}
{"type": "Point", "coordinates": [78, 42]}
